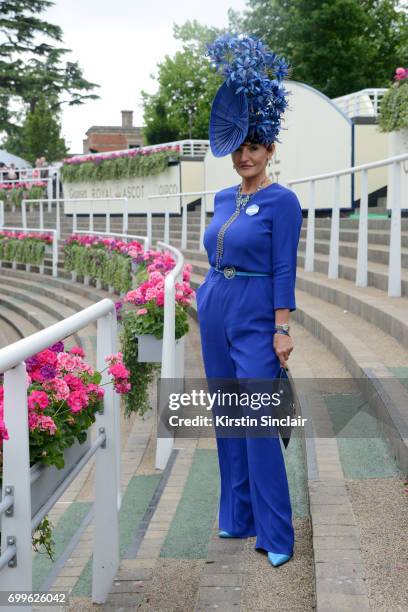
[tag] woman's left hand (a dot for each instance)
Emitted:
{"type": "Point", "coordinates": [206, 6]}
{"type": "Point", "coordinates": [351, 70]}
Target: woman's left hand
{"type": "Point", "coordinates": [283, 345]}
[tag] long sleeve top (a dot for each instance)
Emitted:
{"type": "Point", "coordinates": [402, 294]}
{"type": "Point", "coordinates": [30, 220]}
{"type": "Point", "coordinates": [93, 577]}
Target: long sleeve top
{"type": "Point", "coordinates": [264, 241]}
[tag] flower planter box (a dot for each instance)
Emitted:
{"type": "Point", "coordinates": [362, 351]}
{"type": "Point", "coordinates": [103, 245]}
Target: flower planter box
{"type": "Point", "coordinates": [150, 348]}
{"type": "Point", "coordinates": [51, 477]}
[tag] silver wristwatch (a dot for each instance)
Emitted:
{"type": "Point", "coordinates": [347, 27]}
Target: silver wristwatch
{"type": "Point", "coordinates": [284, 326]}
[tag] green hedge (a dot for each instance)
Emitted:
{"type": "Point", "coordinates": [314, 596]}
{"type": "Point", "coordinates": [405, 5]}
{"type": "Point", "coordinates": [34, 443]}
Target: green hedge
{"type": "Point", "coordinates": [114, 169]}
{"type": "Point", "coordinates": [110, 268]}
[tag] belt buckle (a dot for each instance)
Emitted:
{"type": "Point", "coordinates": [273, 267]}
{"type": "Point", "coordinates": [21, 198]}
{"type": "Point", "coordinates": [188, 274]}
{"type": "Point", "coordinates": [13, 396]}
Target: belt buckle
{"type": "Point", "coordinates": [229, 272]}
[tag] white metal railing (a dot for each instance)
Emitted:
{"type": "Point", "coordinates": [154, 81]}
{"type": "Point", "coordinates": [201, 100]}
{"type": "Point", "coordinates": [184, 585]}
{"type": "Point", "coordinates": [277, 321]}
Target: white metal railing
{"type": "Point", "coordinates": [17, 522]}
{"type": "Point", "coordinates": [184, 216]}
{"type": "Point", "coordinates": [172, 367]}
{"type": "Point", "coordinates": [91, 215]}
{"type": "Point", "coordinates": [363, 103]}
{"type": "Point", "coordinates": [54, 247]}
{"type": "Point", "coordinates": [394, 265]}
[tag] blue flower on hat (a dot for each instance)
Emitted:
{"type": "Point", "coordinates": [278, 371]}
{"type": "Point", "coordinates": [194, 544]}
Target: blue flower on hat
{"type": "Point", "coordinates": [251, 69]}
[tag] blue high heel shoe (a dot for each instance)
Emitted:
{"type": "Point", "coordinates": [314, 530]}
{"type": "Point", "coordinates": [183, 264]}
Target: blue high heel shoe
{"type": "Point", "coordinates": [224, 534]}
{"type": "Point", "coordinates": [278, 559]}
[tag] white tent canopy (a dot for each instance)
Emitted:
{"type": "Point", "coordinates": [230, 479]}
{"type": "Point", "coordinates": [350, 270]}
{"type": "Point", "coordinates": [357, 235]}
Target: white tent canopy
{"type": "Point", "coordinates": [8, 159]}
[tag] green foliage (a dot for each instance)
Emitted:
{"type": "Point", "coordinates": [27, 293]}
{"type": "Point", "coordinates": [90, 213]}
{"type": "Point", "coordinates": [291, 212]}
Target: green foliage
{"type": "Point", "coordinates": [17, 194]}
{"type": "Point", "coordinates": [114, 169]}
{"type": "Point", "coordinates": [338, 47]}
{"type": "Point", "coordinates": [394, 108]}
{"type": "Point", "coordinates": [153, 321]}
{"type": "Point", "coordinates": [113, 269]}
{"type": "Point", "coordinates": [41, 134]}
{"type": "Point", "coordinates": [141, 374]}
{"type": "Point", "coordinates": [28, 251]}
{"type": "Point", "coordinates": [44, 538]}
{"type": "Point", "coordinates": [31, 67]}
{"type": "Point", "coordinates": [187, 86]}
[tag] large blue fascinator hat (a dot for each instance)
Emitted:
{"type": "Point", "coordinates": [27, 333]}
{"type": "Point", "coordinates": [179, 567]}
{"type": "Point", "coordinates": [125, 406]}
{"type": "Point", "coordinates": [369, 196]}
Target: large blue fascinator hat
{"type": "Point", "coordinates": [250, 102]}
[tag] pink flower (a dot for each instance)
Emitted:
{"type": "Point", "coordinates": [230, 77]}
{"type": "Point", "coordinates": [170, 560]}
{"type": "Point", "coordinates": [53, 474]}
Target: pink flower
{"type": "Point", "coordinates": [77, 400]}
{"type": "Point", "coordinates": [38, 399]}
{"type": "Point", "coordinates": [77, 350]}
{"type": "Point", "coordinates": [74, 383]}
{"type": "Point", "coordinates": [96, 389]}
{"type": "Point", "coordinates": [46, 423]}
{"type": "Point", "coordinates": [46, 357]}
{"type": "Point", "coordinates": [122, 387]}
{"type": "Point", "coordinates": [142, 311]}
{"type": "Point", "coordinates": [118, 370]}
{"type": "Point", "coordinates": [68, 362]}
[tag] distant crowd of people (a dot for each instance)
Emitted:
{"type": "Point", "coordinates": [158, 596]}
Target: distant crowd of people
{"type": "Point", "coordinates": [11, 173]}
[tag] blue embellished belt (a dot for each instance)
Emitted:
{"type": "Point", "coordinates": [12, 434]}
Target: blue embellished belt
{"type": "Point", "coordinates": [230, 272]}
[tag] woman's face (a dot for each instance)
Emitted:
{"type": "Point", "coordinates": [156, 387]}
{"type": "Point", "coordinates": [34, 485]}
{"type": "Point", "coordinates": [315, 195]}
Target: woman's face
{"type": "Point", "coordinates": [250, 159]}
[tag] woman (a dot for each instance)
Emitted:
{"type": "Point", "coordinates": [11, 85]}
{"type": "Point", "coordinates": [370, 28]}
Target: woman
{"type": "Point", "coordinates": [244, 302]}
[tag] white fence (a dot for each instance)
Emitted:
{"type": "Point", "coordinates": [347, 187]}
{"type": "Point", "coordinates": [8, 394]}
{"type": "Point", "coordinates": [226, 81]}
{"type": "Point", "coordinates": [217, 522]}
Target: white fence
{"type": "Point", "coordinates": [394, 266]}
{"type": "Point", "coordinates": [363, 103]}
{"type": "Point", "coordinates": [54, 246]}
{"type": "Point", "coordinates": [58, 202]}
{"type": "Point", "coordinates": [172, 365]}
{"type": "Point", "coordinates": [17, 521]}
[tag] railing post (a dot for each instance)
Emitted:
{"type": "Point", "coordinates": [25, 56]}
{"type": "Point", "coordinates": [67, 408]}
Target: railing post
{"type": "Point", "coordinates": [394, 262]}
{"type": "Point", "coordinates": [54, 254]}
{"type": "Point", "coordinates": [16, 473]}
{"type": "Point", "coordinates": [310, 232]}
{"type": "Point", "coordinates": [334, 232]}
{"type": "Point", "coordinates": [183, 224]}
{"type": "Point", "coordinates": [149, 227]}
{"type": "Point", "coordinates": [41, 215]}
{"type": "Point", "coordinates": [164, 446]}
{"type": "Point", "coordinates": [1, 213]}
{"type": "Point", "coordinates": [107, 222]}
{"type": "Point", "coordinates": [58, 220]}
{"type": "Point", "coordinates": [24, 214]}
{"type": "Point", "coordinates": [105, 561]}
{"type": "Point", "coordinates": [167, 226]}
{"type": "Point", "coordinates": [74, 223]}
{"type": "Point", "coordinates": [362, 247]}
{"type": "Point", "coordinates": [203, 215]}
{"type": "Point", "coordinates": [125, 227]}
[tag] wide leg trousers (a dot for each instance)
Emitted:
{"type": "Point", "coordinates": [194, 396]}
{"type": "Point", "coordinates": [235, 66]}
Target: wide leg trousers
{"type": "Point", "coordinates": [236, 319]}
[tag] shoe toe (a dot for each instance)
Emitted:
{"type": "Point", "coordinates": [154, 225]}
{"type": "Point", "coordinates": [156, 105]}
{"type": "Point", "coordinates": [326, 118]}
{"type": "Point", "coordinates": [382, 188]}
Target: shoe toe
{"type": "Point", "coordinates": [278, 559]}
{"type": "Point", "coordinates": [224, 534]}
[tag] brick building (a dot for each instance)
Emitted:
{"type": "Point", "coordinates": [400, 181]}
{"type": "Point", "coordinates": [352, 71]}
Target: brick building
{"type": "Point", "coordinates": [113, 138]}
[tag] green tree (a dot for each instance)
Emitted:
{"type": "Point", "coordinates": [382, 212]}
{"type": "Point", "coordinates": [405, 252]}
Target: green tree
{"type": "Point", "coordinates": [181, 107]}
{"type": "Point", "coordinates": [40, 134]}
{"type": "Point", "coordinates": [339, 46]}
{"type": "Point", "coordinates": [30, 66]}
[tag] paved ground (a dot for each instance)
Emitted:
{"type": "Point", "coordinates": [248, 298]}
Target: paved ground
{"type": "Point", "coordinates": [171, 557]}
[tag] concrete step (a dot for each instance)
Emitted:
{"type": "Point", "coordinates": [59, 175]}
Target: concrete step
{"type": "Point", "coordinates": [42, 308]}
{"type": "Point", "coordinates": [379, 253]}
{"type": "Point", "coordinates": [351, 236]}
{"type": "Point", "coordinates": [377, 272]}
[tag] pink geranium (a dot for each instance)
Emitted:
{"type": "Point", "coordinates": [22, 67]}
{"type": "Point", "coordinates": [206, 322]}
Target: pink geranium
{"type": "Point", "coordinates": [38, 399]}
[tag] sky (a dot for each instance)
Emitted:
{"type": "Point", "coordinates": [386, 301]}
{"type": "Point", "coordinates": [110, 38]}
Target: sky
{"type": "Point", "coordinates": [118, 45]}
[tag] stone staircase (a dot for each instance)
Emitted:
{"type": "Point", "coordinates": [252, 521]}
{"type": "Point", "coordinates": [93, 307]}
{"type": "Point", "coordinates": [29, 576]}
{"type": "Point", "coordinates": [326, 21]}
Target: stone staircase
{"type": "Point", "coordinates": [353, 334]}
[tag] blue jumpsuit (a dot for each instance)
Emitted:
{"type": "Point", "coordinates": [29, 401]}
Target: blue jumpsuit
{"type": "Point", "coordinates": [236, 318]}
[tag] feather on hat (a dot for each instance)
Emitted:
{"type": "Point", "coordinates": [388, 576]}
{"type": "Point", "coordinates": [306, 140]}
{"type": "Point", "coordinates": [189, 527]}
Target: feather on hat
{"type": "Point", "coordinates": [252, 98]}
